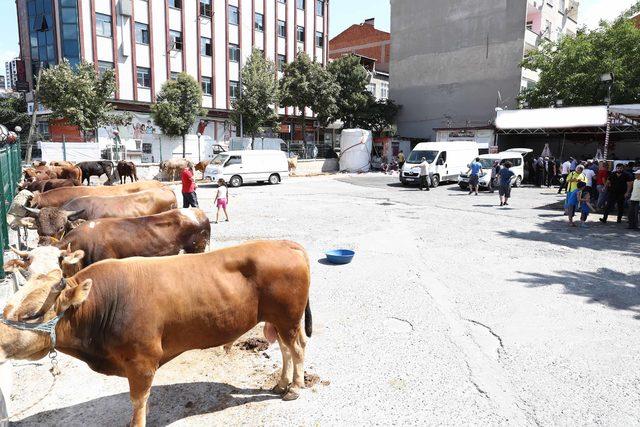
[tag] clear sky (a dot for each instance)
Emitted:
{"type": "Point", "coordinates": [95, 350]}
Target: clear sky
{"type": "Point", "coordinates": [343, 14]}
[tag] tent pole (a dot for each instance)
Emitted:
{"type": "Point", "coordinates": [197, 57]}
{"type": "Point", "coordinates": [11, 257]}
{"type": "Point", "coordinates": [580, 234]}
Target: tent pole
{"type": "Point", "coordinates": [564, 136]}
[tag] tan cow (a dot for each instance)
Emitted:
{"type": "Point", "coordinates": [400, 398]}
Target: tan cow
{"type": "Point", "coordinates": [173, 167]}
{"type": "Point", "coordinates": [129, 317]}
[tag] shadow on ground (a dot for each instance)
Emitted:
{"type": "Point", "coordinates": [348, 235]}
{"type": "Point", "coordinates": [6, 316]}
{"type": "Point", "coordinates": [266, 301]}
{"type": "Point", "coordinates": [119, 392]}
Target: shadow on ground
{"type": "Point", "coordinates": [167, 404]}
{"type": "Point", "coordinates": [616, 290]}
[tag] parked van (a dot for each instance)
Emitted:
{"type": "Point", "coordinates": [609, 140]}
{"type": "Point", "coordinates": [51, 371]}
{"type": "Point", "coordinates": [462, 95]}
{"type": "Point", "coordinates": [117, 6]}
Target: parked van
{"type": "Point", "coordinates": [446, 160]}
{"type": "Point", "coordinates": [515, 156]}
{"type": "Point", "coordinates": [240, 167]}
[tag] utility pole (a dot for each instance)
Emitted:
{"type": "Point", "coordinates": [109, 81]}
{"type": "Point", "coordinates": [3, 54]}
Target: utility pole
{"type": "Point", "coordinates": [32, 128]}
{"type": "Point", "coordinates": [240, 95]}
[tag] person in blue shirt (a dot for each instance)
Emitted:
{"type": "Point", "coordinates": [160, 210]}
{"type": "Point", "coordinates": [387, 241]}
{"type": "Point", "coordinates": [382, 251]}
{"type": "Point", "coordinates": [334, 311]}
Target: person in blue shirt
{"type": "Point", "coordinates": [504, 189]}
{"type": "Point", "coordinates": [572, 202]}
{"type": "Point", "coordinates": [475, 169]}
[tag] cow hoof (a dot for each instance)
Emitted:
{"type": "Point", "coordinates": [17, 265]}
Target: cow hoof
{"type": "Point", "coordinates": [277, 389]}
{"type": "Point", "coordinates": [290, 395]}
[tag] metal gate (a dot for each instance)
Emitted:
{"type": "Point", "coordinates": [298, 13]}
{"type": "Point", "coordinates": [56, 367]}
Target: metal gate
{"type": "Point", "coordinates": [10, 171]}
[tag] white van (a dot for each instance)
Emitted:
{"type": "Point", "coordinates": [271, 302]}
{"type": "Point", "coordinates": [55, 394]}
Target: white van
{"type": "Point", "coordinates": [515, 156]}
{"type": "Point", "coordinates": [239, 167]}
{"type": "Point", "coordinates": [445, 159]}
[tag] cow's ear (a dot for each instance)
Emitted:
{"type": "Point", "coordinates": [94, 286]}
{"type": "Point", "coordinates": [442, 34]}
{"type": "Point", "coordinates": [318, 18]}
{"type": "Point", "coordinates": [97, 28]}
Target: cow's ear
{"type": "Point", "coordinates": [74, 257]}
{"type": "Point", "coordinates": [76, 295]}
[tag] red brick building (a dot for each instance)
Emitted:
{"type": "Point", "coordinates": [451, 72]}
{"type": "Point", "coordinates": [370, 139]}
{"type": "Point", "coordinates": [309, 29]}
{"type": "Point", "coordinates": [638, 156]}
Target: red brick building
{"type": "Point", "coordinates": [636, 19]}
{"type": "Point", "coordinates": [364, 40]}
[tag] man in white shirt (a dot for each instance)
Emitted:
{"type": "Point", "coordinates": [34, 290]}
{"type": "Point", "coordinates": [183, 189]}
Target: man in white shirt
{"type": "Point", "coordinates": [424, 173]}
{"type": "Point", "coordinates": [566, 168]}
{"type": "Point", "coordinates": [634, 202]}
{"type": "Point", "coordinates": [589, 174]}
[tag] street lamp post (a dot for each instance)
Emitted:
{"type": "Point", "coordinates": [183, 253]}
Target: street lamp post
{"type": "Point", "coordinates": [199, 135]}
{"type": "Point", "coordinates": [608, 79]}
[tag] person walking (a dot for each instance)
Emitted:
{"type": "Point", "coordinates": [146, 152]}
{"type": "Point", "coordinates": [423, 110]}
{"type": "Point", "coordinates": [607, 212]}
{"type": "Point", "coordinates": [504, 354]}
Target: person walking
{"type": "Point", "coordinates": [189, 196]}
{"type": "Point", "coordinates": [571, 203]}
{"type": "Point", "coordinates": [549, 171]}
{"type": "Point", "coordinates": [634, 202]}
{"type": "Point", "coordinates": [222, 199]}
{"type": "Point", "coordinates": [601, 184]}
{"type": "Point", "coordinates": [564, 171]}
{"type": "Point", "coordinates": [494, 181]}
{"type": "Point", "coordinates": [424, 174]}
{"type": "Point", "coordinates": [475, 169]}
{"type": "Point", "coordinates": [589, 174]}
{"type": "Point", "coordinates": [540, 172]}
{"type": "Point", "coordinates": [401, 160]}
{"type": "Point", "coordinates": [618, 189]}
{"type": "Point", "coordinates": [584, 203]}
{"type": "Point", "coordinates": [504, 190]}
{"type": "Point", "coordinates": [574, 177]}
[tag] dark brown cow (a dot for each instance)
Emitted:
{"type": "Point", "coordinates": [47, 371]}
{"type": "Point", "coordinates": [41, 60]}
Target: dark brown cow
{"type": "Point", "coordinates": [162, 234]}
{"type": "Point", "coordinates": [60, 196]}
{"type": "Point", "coordinates": [50, 184]}
{"type": "Point", "coordinates": [126, 169]}
{"type": "Point", "coordinates": [54, 222]}
{"type": "Point", "coordinates": [129, 317]}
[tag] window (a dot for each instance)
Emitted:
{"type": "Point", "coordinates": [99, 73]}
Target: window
{"type": "Point", "coordinates": [103, 25]}
{"type": "Point", "coordinates": [300, 4]}
{"type": "Point", "coordinates": [384, 90]}
{"type": "Point", "coordinates": [205, 46]}
{"type": "Point", "coordinates": [234, 15]}
{"type": "Point", "coordinates": [530, 25]}
{"type": "Point", "coordinates": [206, 85]}
{"type": "Point", "coordinates": [300, 34]}
{"type": "Point", "coordinates": [282, 29]}
{"type": "Point", "coordinates": [234, 89]}
{"type": "Point", "coordinates": [282, 59]}
{"type": "Point", "coordinates": [259, 22]}
{"type": "Point", "coordinates": [175, 3]}
{"type": "Point", "coordinates": [176, 40]}
{"type": "Point", "coordinates": [282, 1]}
{"type": "Point", "coordinates": [144, 77]}
{"type": "Point", "coordinates": [234, 160]}
{"type": "Point", "coordinates": [234, 52]}
{"type": "Point", "coordinates": [205, 8]}
{"type": "Point", "coordinates": [371, 87]}
{"type": "Point", "coordinates": [174, 75]}
{"type": "Point", "coordinates": [104, 66]}
{"type": "Point", "coordinates": [142, 33]}
{"type": "Point", "coordinates": [319, 39]}
{"type": "Point", "coordinates": [320, 7]}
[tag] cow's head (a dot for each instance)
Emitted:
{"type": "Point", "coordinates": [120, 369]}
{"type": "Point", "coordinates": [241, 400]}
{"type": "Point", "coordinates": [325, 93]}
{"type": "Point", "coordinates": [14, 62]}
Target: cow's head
{"type": "Point", "coordinates": [53, 222]}
{"type": "Point", "coordinates": [72, 262]}
{"type": "Point", "coordinates": [40, 260]}
{"type": "Point", "coordinates": [41, 299]}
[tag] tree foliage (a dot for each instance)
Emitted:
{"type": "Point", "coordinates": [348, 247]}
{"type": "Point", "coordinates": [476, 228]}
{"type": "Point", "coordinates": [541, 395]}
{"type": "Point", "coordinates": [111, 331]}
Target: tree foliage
{"type": "Point", "coordinates": [379, 116]}
{"type": "Point", "coordinates": [306, 84]}
{"type": "Point", "coordinates": [259, 97]}
{"type": "Point", "coordinates": [79, 94]}
{"type": "Point", "coordinates": [352, 78]}
{"type": "Point", "coordinates": [570, 68]}
{"type": "Point", "coordinates": [178, 107]}
{"type": "Point", "coordinates": [13, 112]}
{"type": "Point", "coordinates": [632, 10]}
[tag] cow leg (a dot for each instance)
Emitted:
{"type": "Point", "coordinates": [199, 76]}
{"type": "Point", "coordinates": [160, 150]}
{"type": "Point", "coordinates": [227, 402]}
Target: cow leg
{"type": "Point", "coordinates": [296, 347]}
{"type": "Point", "coordinates": [286, 376]}
{"type": "Point", "coordinates": [140, 380]}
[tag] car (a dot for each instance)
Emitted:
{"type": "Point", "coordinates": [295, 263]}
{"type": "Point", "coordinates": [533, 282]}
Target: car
{"type": "Point", "coordinates": [243, 166]}
{"type": "Point", "coordinates": [445, 160]}
{"type": "Point", "coordinates": [515, 156]}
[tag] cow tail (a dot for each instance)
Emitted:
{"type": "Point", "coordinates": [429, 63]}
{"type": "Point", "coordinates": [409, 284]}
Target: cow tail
{"type": "Point", "coordinates": [308, 320]}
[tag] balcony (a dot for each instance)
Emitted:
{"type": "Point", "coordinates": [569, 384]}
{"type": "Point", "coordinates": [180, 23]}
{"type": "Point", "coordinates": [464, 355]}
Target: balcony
{"type": "Point", "coordinates": [531, 39]}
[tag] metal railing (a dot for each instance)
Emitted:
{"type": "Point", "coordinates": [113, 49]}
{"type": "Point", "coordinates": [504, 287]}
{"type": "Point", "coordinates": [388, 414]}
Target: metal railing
{"type": "Point", "coordinates": [10, 171]}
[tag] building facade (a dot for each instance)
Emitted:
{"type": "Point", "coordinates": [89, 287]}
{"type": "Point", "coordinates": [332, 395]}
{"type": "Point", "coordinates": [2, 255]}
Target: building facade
{"type": "Point", "coordinates": [147, 42]}
{"type": "Point", "coordinates": [636, 19]}
{"type": "Point", "coordinates": [454, 63]}
{"type": "Point", "coordinates": [373, 47]}
{"type": "Point", "coordinates": [11, 73]}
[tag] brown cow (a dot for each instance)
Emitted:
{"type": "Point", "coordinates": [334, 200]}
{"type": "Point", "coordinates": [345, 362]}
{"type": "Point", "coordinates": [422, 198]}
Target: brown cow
{"type": "Point", "coordinates": [173, 167]}
{"type": "Point", "coordinates": [201, 166]}
{"type": "Point", "coordinates": [49, 184]}
{"type": "Point", "coordinates": [54, 222]}
{"type": "Point", "coordinates": [61, 163]}
{"type": "Point", "coordinates": [126, 169]}
{"type": "Point", "coordinates": [129, 317]}
{"type": "Point", "coordinates": [60, 196]}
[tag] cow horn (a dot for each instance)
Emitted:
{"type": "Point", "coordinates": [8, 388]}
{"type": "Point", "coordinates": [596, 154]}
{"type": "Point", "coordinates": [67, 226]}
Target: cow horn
{"type": "Point", "coordinates": [21, 254]}
{"type": "Point", "coordinates": [34, 211]}
{"type": "Point", "coordinates": [70, 214]}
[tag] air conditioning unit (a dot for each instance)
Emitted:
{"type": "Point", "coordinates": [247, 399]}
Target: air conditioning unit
{"type": "Point", "coordinates": [124, 7]}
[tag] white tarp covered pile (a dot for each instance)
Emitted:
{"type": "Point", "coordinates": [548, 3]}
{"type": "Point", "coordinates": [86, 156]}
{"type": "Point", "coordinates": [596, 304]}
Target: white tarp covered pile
{"type": "Point", "coordinates": [76, 151]}
{"type": "Point", "coordinates": [355, 150]}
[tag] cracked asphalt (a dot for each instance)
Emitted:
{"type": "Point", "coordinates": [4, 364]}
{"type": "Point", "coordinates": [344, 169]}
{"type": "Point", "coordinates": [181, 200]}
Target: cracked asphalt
{"type": "Point", "coordinates": [454, 311]}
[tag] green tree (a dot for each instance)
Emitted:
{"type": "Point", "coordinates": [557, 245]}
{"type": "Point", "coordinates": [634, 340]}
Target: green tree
{"type": "Point", "coordinates": [379, 116]}
{"type": "Point", "coordinates": [256, 106]}
{"type": "Point", "coordinates": [13, 112]}
{"type": "Point", "coordinates": [306, 84]}
{"type": "Point", "coordinates": [178, 107]}
{"type": "Point", "coordinates": [352, 78]}
{"type": "Point", "coordinates": [570, 68]}
{"type": "Point", "coordinates": [631, 11]}
{"type": "Point", "coordinates": [79, 94]}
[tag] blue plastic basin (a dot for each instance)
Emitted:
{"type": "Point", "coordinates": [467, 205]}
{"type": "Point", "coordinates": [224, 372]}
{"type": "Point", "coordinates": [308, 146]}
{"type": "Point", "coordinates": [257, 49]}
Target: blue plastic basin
{"type": "Point", "coordinates": [340, 256]}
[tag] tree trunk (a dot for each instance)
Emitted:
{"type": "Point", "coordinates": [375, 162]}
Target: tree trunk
{"type": "Point", "coordinates": [184, 146]}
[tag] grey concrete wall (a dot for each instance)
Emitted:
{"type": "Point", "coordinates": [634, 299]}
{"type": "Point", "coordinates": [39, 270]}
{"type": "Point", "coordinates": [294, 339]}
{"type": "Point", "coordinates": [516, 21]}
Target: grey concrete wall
{"type": "Point", "coordinates": [449, 59]}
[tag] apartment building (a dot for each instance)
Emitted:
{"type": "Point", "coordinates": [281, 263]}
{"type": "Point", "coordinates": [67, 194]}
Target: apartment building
{"type": "Point", "coordinates": [147, 42]}
{"type": "Point", "coordinates": [373, 46]}
{"type": "Point", "coordinates": [11, 70]}
{"type": "Point", "coordinates": [454, 63]}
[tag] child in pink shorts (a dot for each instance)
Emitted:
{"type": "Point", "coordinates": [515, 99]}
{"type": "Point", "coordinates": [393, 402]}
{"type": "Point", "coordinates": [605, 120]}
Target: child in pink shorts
{"type": "Point", "coordinates": [222, 199]}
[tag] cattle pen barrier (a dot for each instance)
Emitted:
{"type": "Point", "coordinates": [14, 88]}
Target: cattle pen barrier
{"type": "Point", "coordinates": [10, 171]}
